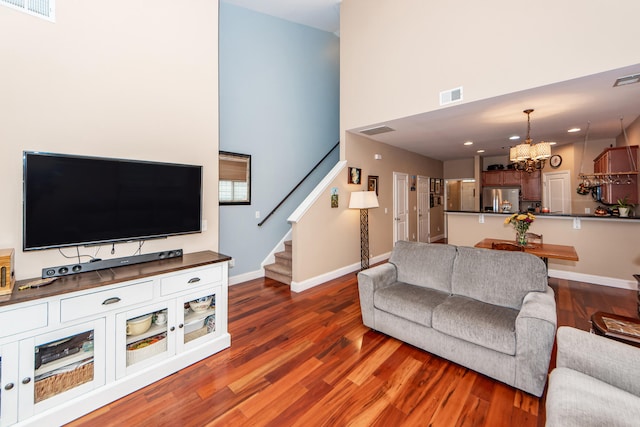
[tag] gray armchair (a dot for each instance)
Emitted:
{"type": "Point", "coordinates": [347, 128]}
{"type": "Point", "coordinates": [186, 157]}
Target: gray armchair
{"type": "Point", "coordinates": [596, 382]}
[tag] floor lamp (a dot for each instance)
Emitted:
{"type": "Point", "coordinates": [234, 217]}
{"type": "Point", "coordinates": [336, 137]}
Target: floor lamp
{"type": "Point", "coordinates": [364, 200]}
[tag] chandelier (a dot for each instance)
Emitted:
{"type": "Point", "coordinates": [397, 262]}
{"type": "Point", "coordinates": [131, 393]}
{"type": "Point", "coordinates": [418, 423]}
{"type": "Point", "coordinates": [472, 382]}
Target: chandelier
{"type": "Point", "coordinates": [527, 156]}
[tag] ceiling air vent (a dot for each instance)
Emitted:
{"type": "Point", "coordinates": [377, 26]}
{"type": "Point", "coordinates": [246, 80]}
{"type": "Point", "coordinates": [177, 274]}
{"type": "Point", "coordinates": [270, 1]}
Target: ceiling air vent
{"type": "Point", "coordinates": [622, 81]}
{"type": "Point", "coordinates": [41, 8]}
{"type": "Point", "coordinates": [451, 95]}
{"type": "Point", "coordinates": [377, 130]}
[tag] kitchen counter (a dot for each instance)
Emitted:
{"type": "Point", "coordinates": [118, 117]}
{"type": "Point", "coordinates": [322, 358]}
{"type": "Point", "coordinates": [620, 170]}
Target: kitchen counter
{"type": "Point", "coordinates": [608, 246]}
{"type": "Point", "coordinates": [552, 215]}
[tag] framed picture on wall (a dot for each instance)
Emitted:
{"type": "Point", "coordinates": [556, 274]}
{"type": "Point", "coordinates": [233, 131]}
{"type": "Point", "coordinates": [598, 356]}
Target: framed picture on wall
{"type": "Point", "coordinates": [437, 188]}
{"type": "Point", "coordinates": [372, 183]}
{"type": "Point", "coordinates": [432, 184]}
{"type": "Point", "coordinates": [354, 176]}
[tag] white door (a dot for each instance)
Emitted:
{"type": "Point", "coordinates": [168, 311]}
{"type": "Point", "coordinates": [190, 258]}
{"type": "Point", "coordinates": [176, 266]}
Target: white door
{"type": "Point", "coordinates": [468, 196]}
{"type": "Point", "coordinates": [400, 206]}
{"type": "Point", "coordinates": [423, 209]}
{"type": "Point", "coordinates": [556, 191]}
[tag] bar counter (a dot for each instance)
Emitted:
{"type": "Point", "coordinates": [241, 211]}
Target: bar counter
{"type": "Point", "coordinates": [607, 245]}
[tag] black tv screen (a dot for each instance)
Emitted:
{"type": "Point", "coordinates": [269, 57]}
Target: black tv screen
{"type": "Point", "coordinates": [77, 200]}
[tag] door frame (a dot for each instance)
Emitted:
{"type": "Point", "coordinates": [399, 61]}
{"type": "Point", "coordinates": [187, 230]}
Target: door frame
{"type": "Point", "coordinates": [565, 175]}
{"type": "Point", "coordinates": [396, 175]}
{"type": "Point", "coordinates": [423, 183]}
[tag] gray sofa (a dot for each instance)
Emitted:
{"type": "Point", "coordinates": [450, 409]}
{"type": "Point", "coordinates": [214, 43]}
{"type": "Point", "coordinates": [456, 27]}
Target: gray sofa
{"type": "Point", "coordinates": [596, 382]}
{"type": "Point", "coordinates": [491, 311]}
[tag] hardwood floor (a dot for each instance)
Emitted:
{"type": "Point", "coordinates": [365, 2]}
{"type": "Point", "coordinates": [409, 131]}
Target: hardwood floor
{"type": "Point", "coordinates": [306, 360]}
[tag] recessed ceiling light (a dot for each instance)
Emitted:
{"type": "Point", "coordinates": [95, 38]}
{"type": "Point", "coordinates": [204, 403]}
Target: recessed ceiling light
{"type": "Point", "coordinates": [514, 137]}
{"type": "Point", "coordinates": [480, 151]}
{"type": "Point", "coordinates": [574, 130]}
{"type": "Point", "coordinates": [468, 143]}
{"type": "Point", "coordinates": [552, 143]}
{"type": "Point", "coordinates": [627, 80]}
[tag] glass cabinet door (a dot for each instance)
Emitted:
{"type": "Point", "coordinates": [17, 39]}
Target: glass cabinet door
{"type": "Point", "coordinates": [143, 336]}
{"type": "Point", "coordinates": [198, 317]}
{"type": "Point", "coordinates": [57, 366]}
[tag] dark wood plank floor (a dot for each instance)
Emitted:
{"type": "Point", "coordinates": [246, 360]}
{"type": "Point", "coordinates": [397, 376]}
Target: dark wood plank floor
{"type": "Point", "coordinates": [306, 360]}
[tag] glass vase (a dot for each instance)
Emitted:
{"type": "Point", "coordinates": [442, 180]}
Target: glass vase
{"type": "Point", "coordinates": [521, 238]}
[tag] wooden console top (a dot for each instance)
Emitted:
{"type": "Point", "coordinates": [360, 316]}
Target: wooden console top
{"type": "Point", "coordinates": [110, 276]}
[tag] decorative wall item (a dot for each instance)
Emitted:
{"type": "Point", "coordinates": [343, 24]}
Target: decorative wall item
{"type": "Point", "coordinates": [354, 176]}
{"type": "Point", "coordinates": [372, 183]}
{"type": "Point", "coordinates": [432, 184]}
{"type": "Point", "coordinates": [437, 187]}
{"type": "Point", "coordinates": [413, 183]}
{"type": "Point", "coordinates": [334, 197]}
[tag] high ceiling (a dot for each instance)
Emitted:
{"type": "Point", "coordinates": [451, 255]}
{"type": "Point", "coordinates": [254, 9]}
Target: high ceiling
{"type": "Point", "coordinates": [489, 123]}
{"type": "Point", "coordinates": [321, 14]}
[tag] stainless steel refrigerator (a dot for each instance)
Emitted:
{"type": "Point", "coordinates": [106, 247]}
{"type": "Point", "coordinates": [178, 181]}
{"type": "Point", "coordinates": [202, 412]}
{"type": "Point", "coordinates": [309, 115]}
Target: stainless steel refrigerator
{"type": "Point", "coordinates": [492, 198]}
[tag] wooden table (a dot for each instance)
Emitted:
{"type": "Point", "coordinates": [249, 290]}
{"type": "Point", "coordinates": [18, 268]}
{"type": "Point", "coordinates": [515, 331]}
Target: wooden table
{"type": "Point", "coordinates": [620, 328]}
{"type": "Point", "coordinates": [543, 250]}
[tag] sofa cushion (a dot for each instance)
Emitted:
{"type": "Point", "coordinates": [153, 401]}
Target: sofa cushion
{"type": "Point", "coordinates": [497, 277]}
{"type": "Point", "coordinates": [578, 400]}
{"type": "Point", "coordinates": [488, 325]}
{"type": "Point", "coordinates": [424, 264]}
{"type": "Point", "coordinates": [410, 302]}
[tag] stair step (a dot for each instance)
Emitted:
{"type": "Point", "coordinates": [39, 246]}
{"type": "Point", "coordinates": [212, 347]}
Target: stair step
{"type": "Point", "coordinates": [284, 258]}
{"type": "Point", "coordinates": [288, 246]}
{"type": "Point", "coordinates": [278, 272]}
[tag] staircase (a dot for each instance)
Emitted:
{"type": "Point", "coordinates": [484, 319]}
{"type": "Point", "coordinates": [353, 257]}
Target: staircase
{"type": "Point", "coordinates": [281, 269]}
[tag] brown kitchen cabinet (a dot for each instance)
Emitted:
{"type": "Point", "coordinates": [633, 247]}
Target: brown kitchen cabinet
{"type": "Point", "coordinates": [531, 186]}
{"type": "Point", "coordinates": [615, 160]}
{"type": "Point", "coordinates": [492, 179]}
{"type": "Point", "coordinates": [502, 178]}
{"type": "Point", "coordinates": [511, 178]}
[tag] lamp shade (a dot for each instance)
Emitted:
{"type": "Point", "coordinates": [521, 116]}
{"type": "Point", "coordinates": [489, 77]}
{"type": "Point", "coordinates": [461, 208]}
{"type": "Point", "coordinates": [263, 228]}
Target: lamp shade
{"type": "Point", "coordinates": [523, 152]}
{"type": "Point", "coordinates": [363, 200]}
{"type": "Point", "coordinates": [543, 150]}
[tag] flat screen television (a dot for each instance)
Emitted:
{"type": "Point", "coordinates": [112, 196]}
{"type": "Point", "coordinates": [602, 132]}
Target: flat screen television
{"type": "Point", "coordinates": [72, 200]}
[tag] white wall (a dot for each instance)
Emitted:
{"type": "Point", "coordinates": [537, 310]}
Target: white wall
{"type": "Point", "coordinates": [111, 79]}
{"type": "Point", "coordinates": [397, 55]}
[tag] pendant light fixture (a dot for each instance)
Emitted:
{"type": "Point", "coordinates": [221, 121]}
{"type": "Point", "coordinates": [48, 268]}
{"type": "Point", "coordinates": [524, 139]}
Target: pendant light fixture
{"type": "Point", "coordinates": [527, 156]}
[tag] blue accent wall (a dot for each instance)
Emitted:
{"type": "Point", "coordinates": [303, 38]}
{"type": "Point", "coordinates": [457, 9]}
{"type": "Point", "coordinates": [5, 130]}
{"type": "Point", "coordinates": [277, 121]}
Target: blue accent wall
{"type": "Point", "coordinates": [279, 102]}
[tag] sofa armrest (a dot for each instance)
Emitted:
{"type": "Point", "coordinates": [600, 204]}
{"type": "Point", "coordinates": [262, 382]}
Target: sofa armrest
{"type": "Point", "coordinates": [540, 306]}
{"type": "Point", "coordinates": [608, 360]}
{"type": "Point", "coordinates": [368, 282]}
{"type": "Point", "coordinates": [535, 333]}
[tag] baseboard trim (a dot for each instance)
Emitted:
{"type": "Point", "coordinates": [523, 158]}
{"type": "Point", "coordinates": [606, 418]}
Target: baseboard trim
{"type": "Point", "coordinates": [245, 277]}
{"type": "Point", "coordinates": [437, 238]}
{"type": "Point", "coordinates": [318, 280]}
{"type": "Point", "coordinates": [596, 280]}
{"type": "Point", "coordinates": [323, 278]}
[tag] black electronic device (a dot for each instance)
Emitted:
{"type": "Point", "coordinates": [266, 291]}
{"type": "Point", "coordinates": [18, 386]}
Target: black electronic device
{"type": "Point", "coordinates": [65, 270]}
{"type": "Point", "coordinates": [74, 200]}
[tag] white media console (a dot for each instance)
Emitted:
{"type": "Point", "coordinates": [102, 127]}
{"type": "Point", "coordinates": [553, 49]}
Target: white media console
{"type": "Point", "coordinates": [84, 341]}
